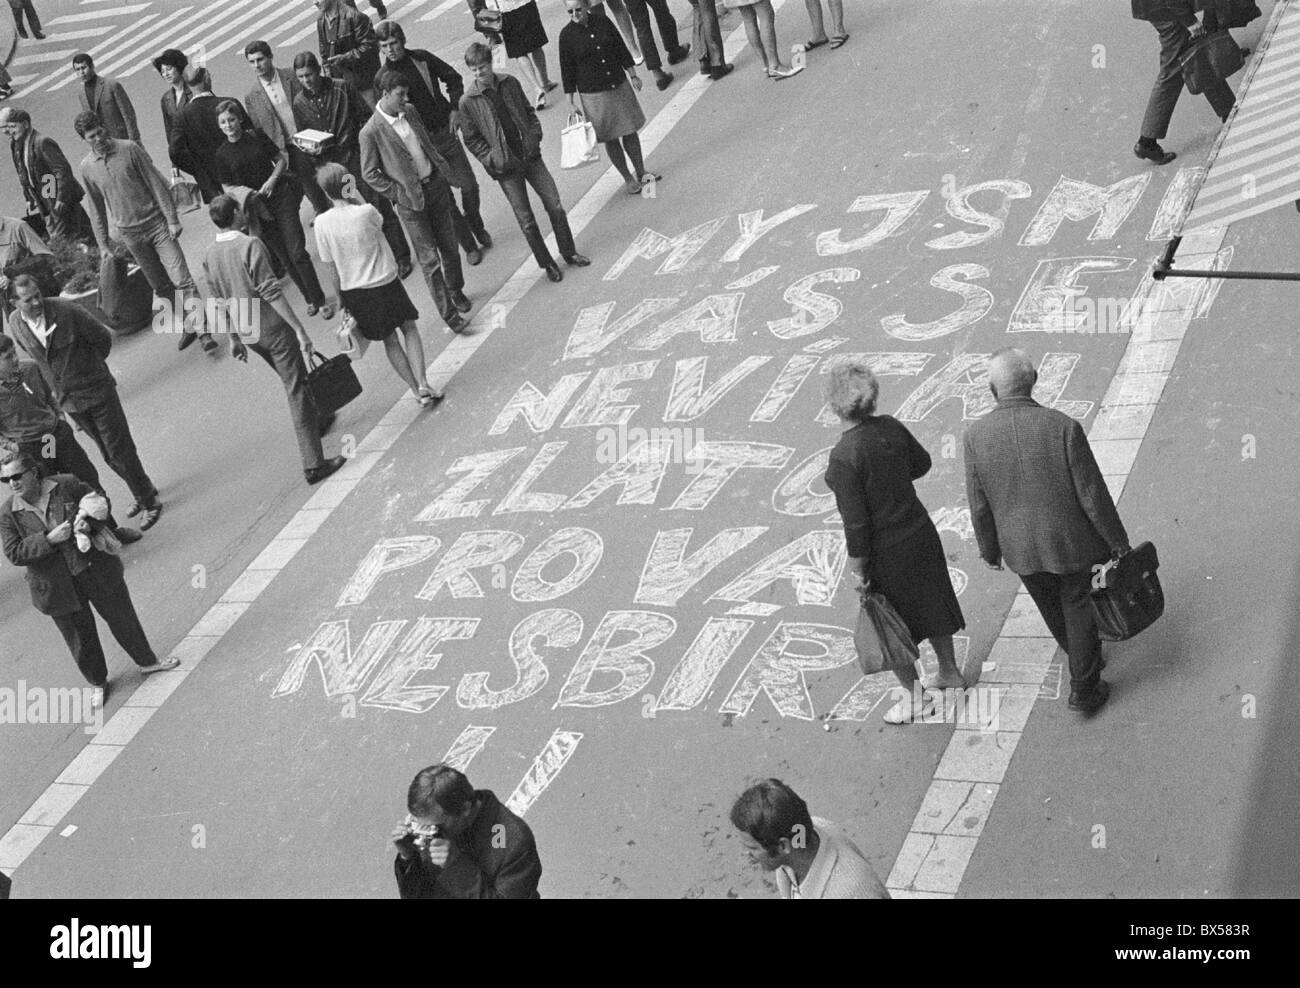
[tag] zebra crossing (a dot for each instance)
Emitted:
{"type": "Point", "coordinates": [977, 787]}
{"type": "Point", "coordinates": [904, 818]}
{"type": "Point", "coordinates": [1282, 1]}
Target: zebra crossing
{"type": "Point", "coordinates": [130, 34]}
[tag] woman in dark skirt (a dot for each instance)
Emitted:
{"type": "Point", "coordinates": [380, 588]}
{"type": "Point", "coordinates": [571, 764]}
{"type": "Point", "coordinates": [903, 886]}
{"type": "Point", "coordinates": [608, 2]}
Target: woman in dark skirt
{"type": "Point", "coordinates": [350, 237]}
{"type": "Point", "coordinates": [892, 543]}
{"type": "Point", "coordinates": [598, 75]}
{"type": "Point", "coordinates": [524, 37]}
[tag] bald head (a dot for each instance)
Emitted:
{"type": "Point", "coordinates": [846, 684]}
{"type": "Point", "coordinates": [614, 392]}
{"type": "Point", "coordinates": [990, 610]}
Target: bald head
{"type": "Point", "coordinates": [1011, 373]}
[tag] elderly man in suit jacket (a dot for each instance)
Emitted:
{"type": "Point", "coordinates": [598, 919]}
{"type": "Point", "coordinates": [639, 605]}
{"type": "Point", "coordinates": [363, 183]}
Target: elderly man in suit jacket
{"type": "Point", "coordinates": [399, 161]}
{"type": "Point", "coordinates": [107, 99]}
{"type": "Point", "coordinates": [71, 348]}
{"type": "Point", "coordinates": [1038, 501]}
{"type": "Point", "coordinates": [270, 105]}
{"type": "Point", "coordinates": [1176, 23]}
{"type": "Point", "coordinates": [49, 185]}
{"type": "Point", "coordinates": [196, 134]}
{"type": "Point", "coordinates": [38, 522]}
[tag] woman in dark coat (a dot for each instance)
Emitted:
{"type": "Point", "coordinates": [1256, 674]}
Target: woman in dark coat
{"type": "Point", "coordinates": [892, 543]}
{"type": "Point", "coordinates": [171, 66]}
{"type": "Point", "coordinates": [598, 75]}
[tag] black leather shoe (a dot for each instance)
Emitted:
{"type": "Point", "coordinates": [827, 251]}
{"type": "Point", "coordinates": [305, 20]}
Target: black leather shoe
{"type": "Point", "coordinates": [459, 300]}
{"type": "Point", "coordinates": [404, 270]}
{"type": "Point", "coordinates": [663, 80]}
{"type": "Point", "coordinates": [187, 338]}
{"type": "Point", "coordinates": [679, 55]}
{"type": "Point", "coordinates": [1093, 700]}
{"type": "Point", "coordinates": [127, 536]}
{"type": "Point", "coordinates": [473, 257]}
{"type": "Point", "coordinates": [717, 73]}
{"type": "Point", "coordinates": [577, 260]}
{"type": "Point", "coordinates": [457, 323]}
{"type": "Point", "coordinates": [484, 239]}
{"type": "Point", "coordinates": [553, 272]}
{"type": "Point", "coordinates": [149, 515]}
{"type": "Point", "coordinates": [316, 474]}
{"type": "Point", "coordinates": [1154, 152]}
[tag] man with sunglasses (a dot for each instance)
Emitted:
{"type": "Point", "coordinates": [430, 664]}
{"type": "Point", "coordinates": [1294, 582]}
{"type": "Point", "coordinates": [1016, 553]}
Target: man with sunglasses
{"type": "Point", "coordinates": [38, 517]}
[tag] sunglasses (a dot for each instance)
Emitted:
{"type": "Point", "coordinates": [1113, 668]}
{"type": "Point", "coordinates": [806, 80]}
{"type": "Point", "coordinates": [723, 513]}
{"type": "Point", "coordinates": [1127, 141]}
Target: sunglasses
{"type": "Point", "coordinates": [15, 476]}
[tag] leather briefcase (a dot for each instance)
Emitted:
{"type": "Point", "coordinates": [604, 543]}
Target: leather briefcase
{"type": "Point", "coordinates": [1126, 595]}
{"type": "Point", "coordinates": [1209, 60]}
{"type": "Point", "coordinates": [333, 382]}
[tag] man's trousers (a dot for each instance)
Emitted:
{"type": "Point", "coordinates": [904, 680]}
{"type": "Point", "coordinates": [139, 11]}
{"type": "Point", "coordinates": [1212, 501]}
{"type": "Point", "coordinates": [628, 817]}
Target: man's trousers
{"type": "Point", "coordinates": [535, 173]}
{"type": "Point", "coordinates": [1174, 38]}
{"type": "Point", "coordinates": [105, 423]}
{"type": "Point", "coordinates": [433, 235]}
{"type": "Point", "coordinates": [278, 346]}
{"type": "Point", "coordinates": [108, 594]}
{"type": "Point", "coordinates": [1067, 612]}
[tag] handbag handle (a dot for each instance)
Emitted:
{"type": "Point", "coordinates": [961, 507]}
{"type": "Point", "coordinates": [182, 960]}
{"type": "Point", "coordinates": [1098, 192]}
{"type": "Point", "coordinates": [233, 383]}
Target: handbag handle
{"type": "Point", "coordinates": [575, 117]}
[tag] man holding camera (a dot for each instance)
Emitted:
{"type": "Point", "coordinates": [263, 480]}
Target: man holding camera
{"type": "Point", "coordinates": [462, 843]}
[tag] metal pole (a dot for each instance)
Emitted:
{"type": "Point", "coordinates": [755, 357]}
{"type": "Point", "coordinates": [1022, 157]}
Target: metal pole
{"type": "Point", "coordinates": [1160, 274]}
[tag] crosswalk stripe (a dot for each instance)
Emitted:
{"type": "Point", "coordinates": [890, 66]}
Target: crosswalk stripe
{"type": "Point", "coordinates": [254, 30]}
{"type": "Point", "coordinates": [63, 76]}
{"type": "Point", "coordinates": [1262, 134]}
{"type": "Point", "coordinates": [62, 36]}
{"type": "Point", "coordinates": [91, 15]}
{"type": "Point", "coordinates": [310, 29]}
{"type": "Point", "coordinates": [208, 45]}
{"type": "Point", "coordinates": [45, 56]}
{"type": "Point", "coordinates": [442, 8]}
{"type": "Point", "coordinates": [289, 25]}
{"type": "Point", "coordinates": [186, 41]}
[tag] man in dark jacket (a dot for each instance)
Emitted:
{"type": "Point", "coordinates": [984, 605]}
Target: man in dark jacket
{"type": "Point", "coordinates": [38, 522]}
{"type": "Point", "coordinates": [348, 49]}
{"type": "Point", "coordinates": [196, 135]}
{"type": "Point", "coordinates": [1039, 502]}
{"type": "Point", "coordinates": [463, 843]}
{"type": "Point", "coordinates": [51, 189]}
{"type": "Point", "coordinates": [1176, 23]}
{"type": "Point", "coordinates": [427, 76]}
{"type": "Point", "coordinates": [71, 348]}
{"type": "Point", "coordinates": [501, 129]}
{"type": "Point", "coordinates": [335, 107]}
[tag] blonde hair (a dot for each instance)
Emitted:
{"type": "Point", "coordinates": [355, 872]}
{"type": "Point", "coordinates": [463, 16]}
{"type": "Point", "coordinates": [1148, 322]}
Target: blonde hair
{"type": "Point", "coordinates": [851, 389]}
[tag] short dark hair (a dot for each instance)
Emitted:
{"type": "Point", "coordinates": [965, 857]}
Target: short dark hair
{"type": "Point", "coordinates": [258, 47]}
{"type": "Point", "coordinates": [88, 120]}
{"type": "Point", "coordinates": [231, 105]}
{"type": "Point", "coordinates": [173, 57]}
{"type": "Point", "coordinates": [389, 29]}
{"type": "Point", "coordinates": [81, 58]}
{"type": "Point", "coordinates": [306, 60]}
{"type": "Point", "coordinates": [388, 80]}
{"type": "Point", "coordinates": [24, 280]}
{"type": "Point", "coordinates": [15, 114]}
{"type": "Point", "coordinates": [477, 54]}
{"type": "Point", "coordinates": [6, 344]}
{"type": "Point", "coordinates": [222, 211]}
{"type": "Point", "coordinates": [769, 811]}
{"type": "Point", "coordinates": [441, 786]}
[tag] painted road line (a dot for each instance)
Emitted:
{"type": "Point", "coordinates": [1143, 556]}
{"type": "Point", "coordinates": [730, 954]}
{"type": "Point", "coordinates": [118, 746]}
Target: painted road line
{"type": "Point", "coordinates": [90, 15]}
{"type": "Point", "coordinates": [45, 56]}
{"type": "Point", "coordinates": [947, 828]}
{"type": "Point", "coordinates": [289, 25]}
{"type": "Point", "coordinates": [186, 42]}
{"type": "Point", "coordinates": [254, 30]}
{"type": "Point", "coordinates": [23, 838]}
{"type": "Point", "coordinates": [62, 36]}
{"type": "Point", "coordinates": [62, 77]}
{"type": "Point", "coordinates": [208, 48]}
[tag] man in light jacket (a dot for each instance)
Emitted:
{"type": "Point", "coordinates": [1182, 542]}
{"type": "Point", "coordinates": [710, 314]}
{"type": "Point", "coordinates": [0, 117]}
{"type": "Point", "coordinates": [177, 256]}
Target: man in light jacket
{"type": "Point", "coordinates": [270, 105]}
{"type": "Point", "coordinates": [501, 129]}
{"type": "Point", "coordinates": [1176, 23]}
{"type": "Point", "coordinates": [1038, 502]}
{"type": "Point", "coordinates": [399, 161]}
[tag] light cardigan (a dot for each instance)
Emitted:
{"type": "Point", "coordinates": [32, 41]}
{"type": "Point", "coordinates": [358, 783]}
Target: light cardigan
{"type": "Point", "coordinates": [351, 236]}
{"type": "Point", "coordinates": [839, 871]}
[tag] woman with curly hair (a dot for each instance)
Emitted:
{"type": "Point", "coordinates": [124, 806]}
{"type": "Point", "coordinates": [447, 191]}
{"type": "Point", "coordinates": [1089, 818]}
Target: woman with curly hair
{"type": "Point", "coordinates": [892, 543]}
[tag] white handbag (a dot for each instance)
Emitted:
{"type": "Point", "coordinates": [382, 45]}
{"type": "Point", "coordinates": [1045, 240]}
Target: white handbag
{"type": "Point", "coordinates": [578, 142]}
{"type": "Point", "coordinates": [350, 339]}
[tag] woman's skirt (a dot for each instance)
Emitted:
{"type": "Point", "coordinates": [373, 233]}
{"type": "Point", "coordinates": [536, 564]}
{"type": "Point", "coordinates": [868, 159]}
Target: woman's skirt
{"type": "Point", "coordinates": [379, 310]}
{"type": "Point", "coordinates": [522, 30]}
{"type": "Point", "coordinates": [913, 576]}
{"type": "Point", "coordinates": [614, 113]}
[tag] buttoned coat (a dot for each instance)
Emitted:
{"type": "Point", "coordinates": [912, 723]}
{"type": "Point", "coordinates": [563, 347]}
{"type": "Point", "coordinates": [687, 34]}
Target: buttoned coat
{"type": "Point", "coordinates": [1037, 498]}
{"type": "Point", "coordinates": [43, 157]}
{"type": "Point", "coordinates": [114, 108]}
{"type": "Point", "coordinates": [74, 358]}
{"type": "Point", "coordinates": [262, 111]}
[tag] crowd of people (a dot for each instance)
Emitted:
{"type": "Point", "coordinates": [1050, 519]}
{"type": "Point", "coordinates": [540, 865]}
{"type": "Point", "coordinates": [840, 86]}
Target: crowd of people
{"type": "Point", "coordinates": [382, 184]}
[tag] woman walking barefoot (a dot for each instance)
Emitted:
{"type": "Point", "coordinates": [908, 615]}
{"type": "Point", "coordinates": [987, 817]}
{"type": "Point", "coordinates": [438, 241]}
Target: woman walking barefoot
{"type": "Point", "coordinates": [760, 29]}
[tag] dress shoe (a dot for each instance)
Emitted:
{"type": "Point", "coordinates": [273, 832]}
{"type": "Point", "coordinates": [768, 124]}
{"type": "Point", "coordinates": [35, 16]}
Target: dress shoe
{"type": "Point", "coordinates": [457, 323]}
{"type": "Point", "coordinates": [679, 55]}
{"type": "Point", "coordinates": [663, 80]}
{"type": "Point", "coordinates": [553, 272]}
{"type": "Point", "coordinates": [473, 258]}
{"type": "Point", "coordinates": [403, 270]}
{"type": "Point", "coordinates": [127, 536]}
{"type": "Point", "coordinates": [38, 36]}
{"type": "Point", "coordinates": [459, 300]}
{"type": "Point", "coordinates": [1153, 152]}
{"type": "Point", "coordinates": [316, 474]}
{"type": "Point", "coordinates": [1091, 701]}
{"type": "Point", "coordinates": [484, 239]}
{"type": "Point", "coordinates": [186, 339]}
{"type": "Point", "coordinates": [149, 514]}
{"type": "Point", "coordinates": [208, 343]}
{"type": "Point", "coordinates": [577, 261]}
{"type": "Point", "coordinates": [719, 71]}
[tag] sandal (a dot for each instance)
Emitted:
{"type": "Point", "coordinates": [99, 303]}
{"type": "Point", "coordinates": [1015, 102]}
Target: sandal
{"type": "Point", "coordinates": [779, 74]}
{"type": "Point", "coordinates": [904, 712]}
{"type": "Point", "coordinates": [838, 39]}
{"type": "Point", "coordinates": [171, 662]}
{"type": "Point", "coordinates": [427, 396]}
{"type": "Point", "coordinates": [540, 102]}
{"type": "Point", "coordinates": [810, 45]}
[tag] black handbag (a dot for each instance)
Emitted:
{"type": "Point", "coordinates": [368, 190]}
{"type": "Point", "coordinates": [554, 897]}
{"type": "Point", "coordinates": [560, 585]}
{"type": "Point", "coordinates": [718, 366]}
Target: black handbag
{"type": "Point", "coordinates": [333, 382]}
{"type": "Point", "coordinates": [1211, 59]}
{"type": "Point", "coordinates": [1126, 595]}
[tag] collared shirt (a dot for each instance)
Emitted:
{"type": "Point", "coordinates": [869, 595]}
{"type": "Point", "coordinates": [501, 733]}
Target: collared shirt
{"type": "Point", "coordinates": [274, 90]}
{"type": "Point", "coordinates": [406, 132]}
{"type": "Point", "coordinates": [839, 870]}
{"type": "Point", "coordinates": [40, 329]}
{"type": "Point", "coordinates": [42, 505]}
